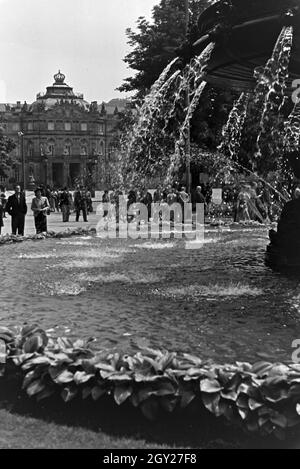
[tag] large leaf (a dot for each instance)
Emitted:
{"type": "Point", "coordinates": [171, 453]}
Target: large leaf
{"type": "Point", "coordinates": [261, 369]}
{"type": "Point", "coordinates": [98, 391]}
{"type": "Point", "coordinates": [196, 361]}
{"type": "Point", "coordinates": [254, 405]}
{"type": "Point", "coordinates": [210, 386]}
{"type": "Point", "coordinates": [36, 361]}
{"type": "Point", "coordinates": [82, 377]}
{"type": "Point", "coordinates": [64, 343]}
{"type": "Point", "coordinates": [211, 402]}
{"type": "Point", "coordinates": [47, 392]}
{"type": "Point", "coordinates": [33, 344]}
{"type": "Point", "coordinates": [168, 403]}
{"type": "Point", "coordinates": [61, 376]}
{"type": "Point", "coordinates": [166, 361]}
{"type": "Point", "coordinates": [150, 408]}
{"type": "Point", "coordinates": [20, 359]}
{"type": "Point", "coordinates": [86, 392]}
{"type": "Point", "coordinates": [186, 398]}
{"type": "Point", "coordinates": [69, 393]}
{"type": "Point", "coordinates": [279, 420]}
{"type": "Point", "coordinates": [35, 387]}
{"type": "Point", "coordinates": [29, 377]}
{"type": "Point", "coordinates": [121, 393]}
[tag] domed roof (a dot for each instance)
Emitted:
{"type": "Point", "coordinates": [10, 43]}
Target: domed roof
{"type": "Point", "coordinates": [59, 93]}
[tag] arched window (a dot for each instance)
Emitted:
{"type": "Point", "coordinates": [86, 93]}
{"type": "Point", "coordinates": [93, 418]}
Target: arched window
{"type": "Point", "coordinates": [83, 150]}
{"type": "Point", "coordinates": [67, 148]}
{"type": "Point", "coordinates": [50, 149]}
{"type": "Point", "coordinates": [30, 149]}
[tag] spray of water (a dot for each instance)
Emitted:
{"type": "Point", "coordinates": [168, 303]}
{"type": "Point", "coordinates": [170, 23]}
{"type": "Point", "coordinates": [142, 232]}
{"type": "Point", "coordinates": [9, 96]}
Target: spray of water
{"type": "Point", "coordinates": [232, 131]}
{"type": "Point", "coordinates": [274, 77]}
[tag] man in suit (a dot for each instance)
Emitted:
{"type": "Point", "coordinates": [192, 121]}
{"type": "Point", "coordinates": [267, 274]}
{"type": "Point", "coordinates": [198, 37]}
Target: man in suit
{"type": "Point", "coordinates": [16, 207]}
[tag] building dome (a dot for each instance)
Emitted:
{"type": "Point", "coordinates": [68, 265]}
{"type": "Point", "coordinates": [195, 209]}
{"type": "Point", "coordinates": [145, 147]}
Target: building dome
{"type": "Point", "coordinates": [59, 93]}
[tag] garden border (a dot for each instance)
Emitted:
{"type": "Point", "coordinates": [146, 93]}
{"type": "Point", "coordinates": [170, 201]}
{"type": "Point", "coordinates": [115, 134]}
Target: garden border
{"type": "Point", "coordinates": [263, 398]}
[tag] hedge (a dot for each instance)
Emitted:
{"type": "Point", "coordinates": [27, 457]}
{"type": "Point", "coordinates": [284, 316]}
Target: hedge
{"type": "Point", "coordinates": [262, 398]}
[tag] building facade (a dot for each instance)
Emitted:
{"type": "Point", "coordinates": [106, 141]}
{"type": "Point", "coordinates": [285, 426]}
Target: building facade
{"type": "Point", "coordinates": [63, 139]}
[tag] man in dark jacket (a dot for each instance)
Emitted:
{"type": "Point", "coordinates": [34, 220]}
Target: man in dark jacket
{"type": "Point", "coordinates": [16, 207]}
{"type": "Point", "coordinates": [80, 203]}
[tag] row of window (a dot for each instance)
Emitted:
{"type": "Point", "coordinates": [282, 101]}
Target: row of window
{"type": "Point", "coordinates": [50, 150]}
{"type": "Point", "coordinates": [52, 126]}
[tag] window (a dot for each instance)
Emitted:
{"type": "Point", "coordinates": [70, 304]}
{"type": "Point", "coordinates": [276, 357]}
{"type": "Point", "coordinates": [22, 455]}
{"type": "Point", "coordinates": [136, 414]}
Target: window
{"type": "Point", "coordinates": [16, 126]}
{"type": "Point", "coordinates": [83, 126]}
{"type": "Point", "coordinates": [101, 129]}
{"type": "Point", "coordinates": [67, 126]}
{"type": "Point", "coordinates": [30, 149]}
{"type": "Point", "coordinates": [17, 173]}
{"type": "Point", "coordinates": [67, 149]}
{"type": "Point", "coordinates": [83, 150]}
{"type": "Point", "coordinates": [30, 126]}
{"type": "Point", "coordinates": [50, 125]}
{"type": "Point", "coordinates": [101, 148]}
{"type": "Point", "coordinates": [50, 149]}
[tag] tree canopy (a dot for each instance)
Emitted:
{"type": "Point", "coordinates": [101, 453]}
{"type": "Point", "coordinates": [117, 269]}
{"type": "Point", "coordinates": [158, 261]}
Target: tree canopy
{"type": "Point", "coordinates": [6, 147]}
{"type": "Point", "coordinates": [154, 44]}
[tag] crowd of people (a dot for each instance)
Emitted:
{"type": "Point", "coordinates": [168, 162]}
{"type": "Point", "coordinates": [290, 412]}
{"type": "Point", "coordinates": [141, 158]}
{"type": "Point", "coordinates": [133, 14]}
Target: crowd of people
{"type": "Point", "coordinates": [244, 202]}
{"type": "Point", "coordinates": [46, 200]}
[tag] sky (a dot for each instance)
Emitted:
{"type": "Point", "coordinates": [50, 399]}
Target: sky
{"type": "Point", "coordinates": [85, 39]}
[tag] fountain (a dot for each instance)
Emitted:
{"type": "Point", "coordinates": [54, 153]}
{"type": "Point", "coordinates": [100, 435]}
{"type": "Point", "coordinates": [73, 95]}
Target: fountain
{"type": "Point", "coordinates": [247, 45]}
{"type": "Point", "coordinates": [256, 49]}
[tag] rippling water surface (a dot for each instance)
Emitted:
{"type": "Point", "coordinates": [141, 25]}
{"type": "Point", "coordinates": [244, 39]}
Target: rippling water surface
{"type": "Point", "coordinates": [219, 302]}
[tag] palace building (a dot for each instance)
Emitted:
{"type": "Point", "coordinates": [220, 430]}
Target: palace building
{"type": "Point", "coordinates": [63, 139]}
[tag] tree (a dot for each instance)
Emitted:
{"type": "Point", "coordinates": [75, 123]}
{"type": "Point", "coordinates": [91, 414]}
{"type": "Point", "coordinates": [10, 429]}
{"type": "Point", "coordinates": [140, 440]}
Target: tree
{"type": "Point", "coordinates": [6, 147]}
{"type": "Point", "coordinates": [156, 43]}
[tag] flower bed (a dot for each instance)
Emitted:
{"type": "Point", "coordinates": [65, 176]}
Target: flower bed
{"type": "Point", "coordinates": [11, 239]}
{"type": "Point", "coordinates": [262, 398]}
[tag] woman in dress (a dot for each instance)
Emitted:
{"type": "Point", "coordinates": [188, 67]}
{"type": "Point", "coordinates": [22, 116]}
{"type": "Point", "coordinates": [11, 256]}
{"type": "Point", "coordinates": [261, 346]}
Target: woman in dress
{"type": "Point", "coordinates": [41, 208]}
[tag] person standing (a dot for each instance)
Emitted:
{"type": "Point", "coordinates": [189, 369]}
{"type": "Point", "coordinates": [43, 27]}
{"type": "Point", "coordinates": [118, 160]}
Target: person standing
{"type": "Point", "coordinates": [65, 204]}
{"type": "Point", "coordinates": [89, 201]}
{"type": "Point", "coordinates": [80, 204]}
{"type": "Point", "coordinates": [41, 208]}
{"type": "Point", "coordinates": [183, 199]}
{"type": "Point", "coordinates": [3, 200]}
{"type": "Point", "coordinates": [16, 207]}
{"type": "Point", "coordinates": [147, 199]}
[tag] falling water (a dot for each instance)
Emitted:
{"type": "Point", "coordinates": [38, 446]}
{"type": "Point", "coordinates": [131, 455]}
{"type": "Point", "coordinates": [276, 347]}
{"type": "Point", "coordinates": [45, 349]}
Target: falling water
{"type": "Point", "coordinates": [274, 77]}
{"type": "Point", "coordinates": [268, 98]}
{"type": "Point", "coordinates": [162, 107]}
{"type": "Point", "coordinates": [196, 74]}
{"type": "Point", "coordinates": [292, 130]}
{"type": "Point", "coordinates": [232, 131]}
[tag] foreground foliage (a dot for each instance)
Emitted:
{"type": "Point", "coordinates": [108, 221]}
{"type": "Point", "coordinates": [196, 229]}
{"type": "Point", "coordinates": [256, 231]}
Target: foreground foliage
{"type": "Point", "coordinates": [262, 398]}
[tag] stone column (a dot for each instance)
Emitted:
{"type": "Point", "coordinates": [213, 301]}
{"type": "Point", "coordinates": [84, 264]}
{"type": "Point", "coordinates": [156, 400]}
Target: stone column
{"type": "Point", "coordinates": [66, 172]}
{"type": "Point", "coordinates": [49, 180]}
